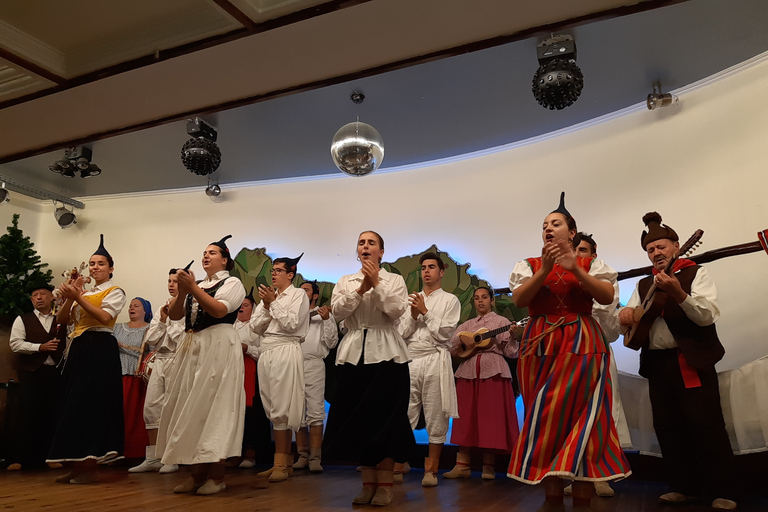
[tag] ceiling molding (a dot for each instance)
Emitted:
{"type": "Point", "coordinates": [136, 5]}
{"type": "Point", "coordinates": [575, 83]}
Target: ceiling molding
{"type": "Point", "coordinates": [21, 48]}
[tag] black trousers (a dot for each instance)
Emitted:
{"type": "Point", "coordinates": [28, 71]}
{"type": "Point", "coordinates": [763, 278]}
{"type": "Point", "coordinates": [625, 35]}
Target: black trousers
{"type": "Point", "coordinates": [38, 394]}
{"type": "Point", "coordinates": [690, 427]}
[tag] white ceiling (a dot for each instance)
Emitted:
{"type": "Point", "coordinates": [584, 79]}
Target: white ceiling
{"type": "Point", "coordinates": [275, 78]}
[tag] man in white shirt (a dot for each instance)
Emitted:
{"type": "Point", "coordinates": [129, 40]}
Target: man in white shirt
{"type": "Point", "coordinates": [678, 359]}
{"type": "Point", "coordinates": [427, 327]}
{"type": "Point", "coordinates": [36, 340]}
{"type": "Point", "coordinates": [162, 336]}
{"type": "Point", "coordinates": [322, 336]}
{"type": "Point", "coordinates": [282, 319]}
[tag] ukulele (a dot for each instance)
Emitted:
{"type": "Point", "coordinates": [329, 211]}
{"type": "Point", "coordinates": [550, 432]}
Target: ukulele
{"type": "Point", "coordinates": [471, 342]}
{"type": "Point", "coordinates": [637, 335]}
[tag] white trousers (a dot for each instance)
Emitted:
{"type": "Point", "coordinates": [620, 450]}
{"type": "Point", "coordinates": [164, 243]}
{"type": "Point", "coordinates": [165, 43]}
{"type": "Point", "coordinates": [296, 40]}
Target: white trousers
{"type": "Point", "coordinates": [281, 383]}
{"type": "Point", "coordinates": [426, 393]}
{"type": "Point", "coordinates": [156, 388]}
{"type": "Point", "coordinates": [314, 388]}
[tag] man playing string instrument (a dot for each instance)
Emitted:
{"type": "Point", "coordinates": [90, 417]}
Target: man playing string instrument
{"type": "Point", "coordinates": [679, 363]}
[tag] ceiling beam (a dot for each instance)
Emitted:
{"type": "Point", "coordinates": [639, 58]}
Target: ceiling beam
{"type": "Point", "coordinates": [31, 67]}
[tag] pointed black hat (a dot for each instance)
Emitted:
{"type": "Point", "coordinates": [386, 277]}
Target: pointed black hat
{"type": "Point", "coordinates": [102, 251]}
{"type": "Point", "coordinates": [250, 296]}
{"type": "Point", "coordinates": [221, 244]}
{"type": "Point", "coordinates": [290, 263]}
{"type": "Point", "coordinates": [561, 209]}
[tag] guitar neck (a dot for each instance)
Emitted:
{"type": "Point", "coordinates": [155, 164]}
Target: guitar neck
{"type": "Point", "coordinates": [501, 330]}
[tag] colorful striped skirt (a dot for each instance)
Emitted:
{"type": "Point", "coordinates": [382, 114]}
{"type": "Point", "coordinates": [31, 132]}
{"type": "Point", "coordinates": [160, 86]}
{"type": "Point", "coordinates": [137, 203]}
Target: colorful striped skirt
{"type": "Point", "coordinates": [566, 388]}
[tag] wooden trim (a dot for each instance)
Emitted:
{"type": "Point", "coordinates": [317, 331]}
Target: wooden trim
{"type": "Point", "coordinates": [31, 67]}
{"type": "Point", "coordinates": [237, 14]}
{"type": "Point", "coordinates": [295, 17]}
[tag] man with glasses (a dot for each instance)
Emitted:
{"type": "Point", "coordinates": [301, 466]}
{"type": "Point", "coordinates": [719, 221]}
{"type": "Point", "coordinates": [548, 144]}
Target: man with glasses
{"type": "Point", "coordinates": [282, 319]}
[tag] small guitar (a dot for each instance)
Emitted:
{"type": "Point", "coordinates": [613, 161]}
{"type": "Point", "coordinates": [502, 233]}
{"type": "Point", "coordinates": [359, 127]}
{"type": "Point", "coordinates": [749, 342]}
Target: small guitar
{"type": "Point", "coordinates": [637, 335]}
{"type": "Point", "coordinates": [471, 342]}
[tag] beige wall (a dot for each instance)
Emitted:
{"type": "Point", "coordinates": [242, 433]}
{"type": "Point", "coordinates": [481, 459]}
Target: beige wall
{"type": "Point", "coordinates": [703, 165]}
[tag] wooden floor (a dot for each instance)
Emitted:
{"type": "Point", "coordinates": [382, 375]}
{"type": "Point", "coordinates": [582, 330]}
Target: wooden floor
{"type": "Point", "coordinates": [331, 491]}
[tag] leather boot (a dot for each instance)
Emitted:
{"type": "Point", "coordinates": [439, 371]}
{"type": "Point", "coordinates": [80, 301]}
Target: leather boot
{"type": "Point", "coordinates": [384, 483]}
{"type": "Point", "coordinates": [461, 469]}
{"type": "Point", "coordinates": [280, 467]}
{"type": "Point", "coordinates": [430, 473]}
{"type": "Point", "coordinates": [303, 461]}
{"type": "Point", "coordinates": [314, 460]}
{"type": "Point", "coordinates": [398, 473]}
{"type": "Point", "coordinates": [369, 486]}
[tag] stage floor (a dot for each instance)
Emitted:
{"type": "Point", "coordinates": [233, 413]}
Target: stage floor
{"type": "Point", "coordinates": [331, 491]}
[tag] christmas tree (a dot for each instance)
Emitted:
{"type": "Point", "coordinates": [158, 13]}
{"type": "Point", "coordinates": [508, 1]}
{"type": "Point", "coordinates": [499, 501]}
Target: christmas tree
{"type": "Point", "coordinates": [20, 267]}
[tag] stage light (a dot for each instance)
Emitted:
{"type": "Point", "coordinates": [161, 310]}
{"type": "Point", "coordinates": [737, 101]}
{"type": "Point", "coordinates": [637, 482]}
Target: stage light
{"type": "Point", "coordinates": [558, 81]}
{"type": "Point", "coordinates": [357, 148]}
{"type": "Point", "coordinates": [200, 154]}
{"type": "Point", "coordinates": [213, 190]}
{"type": "Point", "coordinates": [64, 218]}
{"type": "Point", "coordinates": [657, 99]}
{"type": "Point", "coordinates": [76, 159]}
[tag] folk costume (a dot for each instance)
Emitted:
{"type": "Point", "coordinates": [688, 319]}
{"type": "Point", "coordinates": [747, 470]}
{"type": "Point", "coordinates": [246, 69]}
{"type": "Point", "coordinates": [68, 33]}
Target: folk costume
{"type": "Point", "coordinates": [564, 379]}
{"type": "Point", "coordinates": [679, 363]}
{"type": "Point", "coordinates": [487, 416]}
{"type": "Point", "coordinates": [433, 389]}
{"type": "Point", "coordinates": [202, 420]}
{"type": "Point", "coordinates": [39, 384]}
{"type": "Point", "coordinates": [90, 424]}
{"type": "Point", "coordinates": [161, 338]}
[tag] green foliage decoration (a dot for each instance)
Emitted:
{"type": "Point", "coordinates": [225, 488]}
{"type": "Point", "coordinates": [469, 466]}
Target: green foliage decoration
{"type": "Point", "coordinates": [20, 267]}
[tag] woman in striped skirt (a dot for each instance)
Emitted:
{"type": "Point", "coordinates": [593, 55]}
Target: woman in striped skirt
{"type": "Point", "coordinates": [563, 371]}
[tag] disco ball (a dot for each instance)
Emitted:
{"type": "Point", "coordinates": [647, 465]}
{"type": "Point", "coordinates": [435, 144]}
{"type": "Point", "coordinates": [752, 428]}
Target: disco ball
{"type": "Point", "coordinates": [558, 83]}
{"type": "Point", "coordinates": [200, 156]}
{"type": "Point", "coordinates": [357, 149]}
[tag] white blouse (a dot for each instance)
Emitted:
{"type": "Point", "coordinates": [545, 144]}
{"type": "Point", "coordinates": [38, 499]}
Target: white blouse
{"type": "Point", "coordinates": [376, 311]}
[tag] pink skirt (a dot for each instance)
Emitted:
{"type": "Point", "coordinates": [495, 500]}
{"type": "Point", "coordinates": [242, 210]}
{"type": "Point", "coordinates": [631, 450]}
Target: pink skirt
{"type": "Point", "coordinates": [487, 417]}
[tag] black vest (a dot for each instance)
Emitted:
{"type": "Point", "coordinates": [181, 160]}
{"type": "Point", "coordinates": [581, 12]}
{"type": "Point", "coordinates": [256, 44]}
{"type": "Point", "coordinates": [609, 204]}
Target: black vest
{"type": "Point", "coordinates": [203, 319]}
{"type": "Point", "coordinates": [700, 345]}
{"type": "Point", "coordinates": [36, 333]}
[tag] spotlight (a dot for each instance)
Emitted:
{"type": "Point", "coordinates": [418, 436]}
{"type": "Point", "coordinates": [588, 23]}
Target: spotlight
{"type": "Point", "coordinates": [76, 159]}
{"type": "Point", "coordinates": [5, 196]}
{"type": "Point", "coordinates": [558, 81]}
{"type": "Point", "coordinates": [213, 190]}
{"type": "Point", "coordinates": [200, 154]}
{"type": "Point", "coordinates": [357, 148]}
{"type": "Point", "coordinates": [657, 100]}
{"type": "Point", "coordinates": [64, 218]}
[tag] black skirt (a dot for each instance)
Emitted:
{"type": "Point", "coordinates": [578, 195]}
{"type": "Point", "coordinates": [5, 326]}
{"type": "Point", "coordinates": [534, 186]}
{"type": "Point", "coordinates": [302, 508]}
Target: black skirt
{"type": "Point", "coordinates": [368, 420]}
{"type": "Point", "coordinates": [90, 424]}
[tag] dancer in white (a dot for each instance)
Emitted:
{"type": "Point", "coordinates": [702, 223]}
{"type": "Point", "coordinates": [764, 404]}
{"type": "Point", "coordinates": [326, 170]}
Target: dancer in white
{"type": "Point", "coordinates": [202, 420]}
{"type": "Point", "coordinates": [322, 336]}
{"type": "Point", "coordinates": [427, 327]}
{"type": "Point", "coordinates": [162, 336]}
{"type": "Point", "coordinates": [282, 319]}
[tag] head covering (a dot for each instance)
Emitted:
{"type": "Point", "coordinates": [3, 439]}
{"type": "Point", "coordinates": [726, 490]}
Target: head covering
{"type": "Point", "coordinates": [561, 209]}
{"type": "Point", "coordinates": [102, 251]}
{"type": "Point", "coordinates": [39, 285]}
{"type": "Point", "coordinates": [290, 263]}
{"type": "Point", "coordinates": [221, 244]}
{"type": "Point", "coordinates": [147, 308]}
{"type": "Point", "coordinates": [656, 230]}
{"type": "Point", "coordinates": [250, 296]}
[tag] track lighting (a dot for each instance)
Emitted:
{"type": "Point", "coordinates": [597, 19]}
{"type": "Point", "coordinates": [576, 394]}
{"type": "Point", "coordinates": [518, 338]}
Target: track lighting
{"type": "Point", "coordinates": [65, 218]}
{"type": "Point", "coordinates": [657, 100]}
{"type": "Point", "coordinates": [357, 148]}
{"type": "Point", "coordinates": [200, 154]}
{"type": "Point", "coordinates": [558, 81]}
{"type": "Point", "coordinates": [76, 159]}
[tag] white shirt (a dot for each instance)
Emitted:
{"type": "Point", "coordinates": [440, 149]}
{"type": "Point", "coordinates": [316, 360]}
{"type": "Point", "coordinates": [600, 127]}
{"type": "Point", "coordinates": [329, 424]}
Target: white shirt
{"type": "Point", "coordinates": [113, 303]}
{"type": "Point", "coordinates": [322, 336]}
{"type": "Point", "coordinates": [231, 293]}
{"type": "Point", "coordinates": [18, 339]}
{"type": "Point", "coordinates": [606, 314]}
{"type": "Point", "coordinates": [163, 336]}
{"type": "Point", "coordinates": [249, 337]}
{"type": "Point", "coordinates": [377, 310]}
{"type": "Point", "coordinates": [700, 306]}
{"type": "Point", "coordinates": [434, 329]}
{"type": "Point", "coordinates": [287, 315]}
